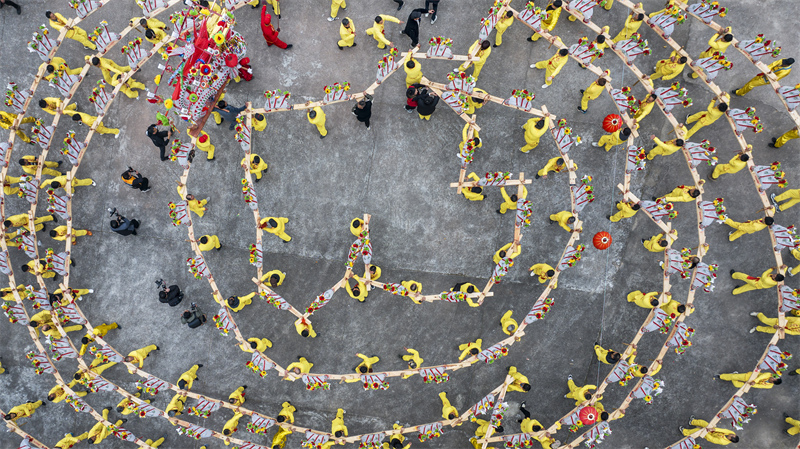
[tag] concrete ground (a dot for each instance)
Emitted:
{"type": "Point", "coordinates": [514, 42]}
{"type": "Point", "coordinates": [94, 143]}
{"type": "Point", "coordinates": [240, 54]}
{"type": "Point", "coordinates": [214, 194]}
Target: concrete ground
{"type": "Point", "coordinates": [399, 173]}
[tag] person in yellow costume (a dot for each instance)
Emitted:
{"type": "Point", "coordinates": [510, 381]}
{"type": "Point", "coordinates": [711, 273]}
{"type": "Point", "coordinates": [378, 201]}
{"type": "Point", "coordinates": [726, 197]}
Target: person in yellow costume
{"type": "Point", "coordinates": [377, 31]}
{"type": "Point", "coordinates": [81, 377]}
{"type": "Point", "coordinates": [259, 122]}
{"type": "Point", "coordinates": [413, 70]}
{"type": "Point", "coordinates": [58, 394]}
{"type": "Point", "coordinates": [195, 205]}
{"type": "Point", "coordinates": [669, 68]}
{"type": "Point", "coordinates": [544, 272]}
{"type": "Point", "coordinates": [656, 243]}
{"type": "Point", "coordinates": [61, 181]}
{"type": "Point", "coordinates": [99, 431]}
{"type": "Point", "coordinates": [204, 144]}
{"type": "Point", "coordinates": [591, 93]}
{"type": "Point", "coordinates": [476, 138]}
{"type": "Point", "coordinates": [682, 194]}
{"type": "Point", "coordinates": [358, 291]}
{"type": "Point", "coordinates": [510, 201]}
{"type": "Point", "coordinates": [29, 164]}
{"type": "Point", "coordinates": [98, 331]}
{"type": "Point", "coordinates": [771, 325]}
{"type": "Point", "coordinates": [52, 331]}
{"type": "Point", "coordinates": [553, 11]}
{"type": "Point", "coordinates": [107, 67]}
{"type": "Point", "coordinates": [237, 397]}
{"type": "Point", "coordinates": [257, 165]}
{"type": "Point", "coordinates": [316, 117]}
{"type": "Point", "coordinates": [347, 33]}
{"type": "Point", "coordinates": [762, 380]}
{"type": "Point", "coordinates": [675, 308]}
{"type": "Point", "coordinates": [632, 24]}
{"type": "Point", "coordinates": [279, 440]}
{"type": "Point", "coordinates": [564, 219]}
{"type": "Point", "coordinates": [148, 23]}
{"type": "Point", "coordinates": [716, 435]}
{"type": "Point", "coordinates": [609, 141]}
{"type": "Point", "coordinates": [502, 253]}
{"type": "Point", "coordinates": [734, 165]}
{"type": "Point", "coordinates": [60, 234]}
{"type": "Point", "coordinates": [138, 356]}
{"type": "Point", "coordinates": [552, 66]}
{"type": "Point", "coordinates": [338, 429]}
{"type": "Point", "coordinates": [304, 328]}
{"type": "Point", "coordinates": [366, 364]}
{"type": "Point", "coordinates": [276, 226]}
{"type": "Point", "coordinates": [781, 68]}
{"type": "Point", "coordinates": [627, 209]}
{"type": "Point", "coordinates": [501, 26]}
{"type": "Point", "coordinates": [476, 100]}
{"type": "Point", "coordinates": [792, 195]}
{"type": "Point", "coordinates": [508, 324]}
{"type": "Point", "coordinates": [273, 278]}
{"type": "Point", "coordinates": [176, 405]}
{"type": "Point", "coordinates": [237, 303]}
{"type": "Point", "coordinates": [188, 377]}
{"type": "Point", "coordinates": [21, 220]}
{"type": "Point", "coordinates": [785, 137]}
{"type": "Point", "coordinates": [606, 356]}
{"type": "Point", "coordinates": [41, 269]}
{"type": "Point", "coordinates": [520, 382]}
{"type": "Point", "coordinates": [55, 64]}
{"type": "Point", "coordinates": [766, 280]}
{"type": "Point", "coordinates": [51, 105]}
{"type": "Point", "coordinates": [534, 130]}
{"type": "Point", "coordinates": [231, 425]}
{"type": "Point", "coordinates": [68, 441]}
{"type": "Point", "coordinates": [473, 193]}
{"type": "Point", "coordinates": [302, 366]}
{"type": "Point", "coordinates": [579, 394]}
{"type": "Point", "coordinates": [76, 33]}
{"type": "Point", "coordinates": [469, 349]}
{"type": "Point", "coordinates": [129, 87]}
{"type": "Point", "coordinates": [719, 42]}
{"type": "Point", "coordinates": [747, 227]}
{"type": "Point", "coordinates": [482, 50]}
{"type": "Point", "coordinates": [22, 411]}
{"type": "Point", "coordinates": [412, 358]}
{"type": "Point", "coordinates": [707, 117]}
{"type": "Point", "coordinates": [7, 119]}
{"type": "Point", "coordinates": [287, 413]}
{"type": "Point", "coordinates": [555, 165]}
{"type": "Point", "coordinates": [88, 120]}
{"type": "Point", "coordinates": [209, 242]}
{"type": "Point", "coordinates": [644, 300]}
{"type": "Point", "coordinates": [645, 108]}
{"type": "Point", "coordinates": [335, 5]}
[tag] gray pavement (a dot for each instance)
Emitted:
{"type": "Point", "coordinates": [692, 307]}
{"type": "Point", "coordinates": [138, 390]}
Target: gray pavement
{"type": "Point", "coordinates": [399, 173]}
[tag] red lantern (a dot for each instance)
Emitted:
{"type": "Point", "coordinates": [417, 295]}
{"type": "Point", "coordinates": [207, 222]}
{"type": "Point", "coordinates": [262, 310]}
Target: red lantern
{"type": "Point", "coordinates": [602, 240]}
{"type": "Point", "coordinates": [588, 415]}
{"type": "Point", "coordinates": [612, 122]}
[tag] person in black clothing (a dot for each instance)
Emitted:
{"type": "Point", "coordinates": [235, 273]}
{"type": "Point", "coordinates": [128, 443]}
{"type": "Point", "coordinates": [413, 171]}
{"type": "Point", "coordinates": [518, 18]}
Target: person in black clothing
{"type": "Point", "coordinates": [19, 10]}
{"type": "Point", "coordinates": [123, 226]}
{"type": "Point", "coordinates": [171, 295]}
{"type": "Point", "coordinates": [399, 4]}
{"type": "Point", "coordinates": [411, 96]}
{"type": "Point", "coordinates": [432, 5]}
{"type": "Point", "coordinates": [160, 139]}
{"type": "Point", "coordinates": [363, 110]}
{"type": "Point", "coordinates": [426, 104]}
{"type": "Point", "coordinates": [225, 111]}
{"type": "Point", "coordinates": [412, 25]}
{"type": "Point", "coordinates": [135, 179]}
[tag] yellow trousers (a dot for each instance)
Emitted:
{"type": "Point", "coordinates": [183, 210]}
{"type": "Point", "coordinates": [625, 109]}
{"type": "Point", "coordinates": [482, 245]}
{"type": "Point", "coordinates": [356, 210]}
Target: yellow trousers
{"type": "Point", "coordinates": [529, 145]}
{"type": "Point", "coordinates": [770, 323]}
{"type": "Point", "coordinates": [79, 34]}
{"type": "Point", "coordinates": [749, 285]}
{"type": "Point", "coordinates": [321, 128]}
{"type": "Point", "coordinates": [795, 426]}
{"type": "Point", "coordinates": [792, 195]}
{"type": "Point", "coordinates": [335, 5]}
{"type": "Point", "coordinates": [787, 136]}
{"type": "Point", "coordinates": [755, 82]}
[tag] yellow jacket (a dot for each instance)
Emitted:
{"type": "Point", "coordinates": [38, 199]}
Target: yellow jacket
{"type": "Point", "coordinates": [670, 68]}
{"type": "Point", "coordinates": [302, 364]}
{"type": "Point", "coordinates": [261, 345]}
{"type": "Point", "coordinates": [377, 29]}
{"type": "Point", "coordinates": [505, 248]}
{"type": "Point", "coordinates": [532, 134]}
{"type": "Point", "coordinates": [541, 269]}
{"type": "Point", "coordinates": [562, 218]}
{"type": "Point", "coordinates": [414, 75]}
{"type": "Point", "coordinates": [631, 26]}
{"type": "Point", "coordinates": [348, 34]}
{"type": "Point", "coordinates": [503, 24]}
{"type": "Point", "coordinates": [319, 120]}
{"type": "Point", "coordinates": [482, 54]}
{"type": "Point", "coordinates": [512, 205]}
